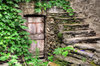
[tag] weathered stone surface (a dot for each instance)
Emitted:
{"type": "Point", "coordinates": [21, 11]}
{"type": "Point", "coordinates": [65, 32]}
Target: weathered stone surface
{"type": "Point", "coordinates": [88, 46]}
{"type": "Point", "coordinates": [85, 53]}
{"type": "Point", "coordinates": [80, 33]}
{"type": "Point", "coordinates": [61, 20]}
{"type": "Point", "coordinates": [51, 30]}
{"type": "Point", "coordinates": [69, 59]}
{"type": "Point", "coordinates": [67, 27]}
{"type": "Point", "coordinates": [70, 18]}
{"type": "Point", "coordinates": [81, 39]}
{"type": "Point", "coordinates": [89, 9]}
{"type": "Point", "coordinates": [27, 8]}
{"type": "Point", "coordinates": [85, 13]}
{"type": "Point", "coordinates": [55, 10]}
{"type": "Point", "coordinates": [61, 14]}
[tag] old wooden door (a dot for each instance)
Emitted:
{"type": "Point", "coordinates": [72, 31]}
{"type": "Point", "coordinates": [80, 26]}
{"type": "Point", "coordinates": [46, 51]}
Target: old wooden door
{"type": "Point", "coordinates": [36, 30]}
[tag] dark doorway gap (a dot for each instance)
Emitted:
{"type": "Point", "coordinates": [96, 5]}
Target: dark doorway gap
{"type": "Point", "coordinates": [34, 15]}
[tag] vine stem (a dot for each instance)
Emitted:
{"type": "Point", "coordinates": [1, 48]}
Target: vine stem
{"type": "Point", "coordinates": [24, 60]}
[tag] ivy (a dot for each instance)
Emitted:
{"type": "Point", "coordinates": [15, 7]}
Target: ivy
{"type": "Point", "coordinates": [44, 5]}
{"type": "Point", "coordinates": [64, 51]}
{"type": "Point", "coordinates": [14, 40]}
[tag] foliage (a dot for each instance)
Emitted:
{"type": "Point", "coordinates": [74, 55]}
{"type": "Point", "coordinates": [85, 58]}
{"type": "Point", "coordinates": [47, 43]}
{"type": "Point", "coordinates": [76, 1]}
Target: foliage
{"type": "Point", "coordinates": [61, 51]}
{"type": "Point", "coordinates": [64, 51]}
{"type": "Point", "coordinates": [60, 35]}
{"type": "Point", "coordinates": [59, 3]}
{"type": "Point", "coordinates": [17, 1]}
{"type": "Point", "coordinates": [62, 63]}
{"type": "Point", "coordinates": [93, 63]}
{"type": "Point", "coordinates": [36, 61]}
{"type": "Point", "coordinates": [44, 5]}
{"type": "Point", "coordinates": [50, 58]}
{"type": "Point", "coordinates": [14, 40]}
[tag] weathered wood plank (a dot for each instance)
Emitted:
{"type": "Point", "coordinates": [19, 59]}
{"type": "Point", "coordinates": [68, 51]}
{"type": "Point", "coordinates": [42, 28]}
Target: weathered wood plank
{"type": "Point", "coordinates": [37, 36]}
{"type": "Point", "coordinates": [40, 27]}
{"type": "Point", "coordinates": [32, 48]}
{"type": "Point", "coordinates": [36, 30]}
{"type": "Point", "coordinates": [39, 46]}
{"type": "Point", "coordinates": [35, 19]}
{"type": "Point", "coordinates": [32, 28]}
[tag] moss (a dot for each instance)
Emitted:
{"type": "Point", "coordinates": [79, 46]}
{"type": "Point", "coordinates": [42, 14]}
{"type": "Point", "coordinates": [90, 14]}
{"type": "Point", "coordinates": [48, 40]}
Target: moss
{"type": "Point", "coordinates": [60, 35]}
{"type": "Point", "coordinates": [61, 63]}
{"type": "Point", "coordinates": [69, 28]}
{"type": "Point", "coordinates": [93, 64]}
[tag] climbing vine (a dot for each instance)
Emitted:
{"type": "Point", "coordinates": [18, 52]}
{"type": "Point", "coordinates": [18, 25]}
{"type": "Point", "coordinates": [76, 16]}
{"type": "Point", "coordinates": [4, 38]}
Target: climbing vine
{"type": "Point", "coordinates": [14, 40]}
{"type": "Point", "coordinates": [44, 5]}
{"type": "Point", "coordinates": [62, 52]}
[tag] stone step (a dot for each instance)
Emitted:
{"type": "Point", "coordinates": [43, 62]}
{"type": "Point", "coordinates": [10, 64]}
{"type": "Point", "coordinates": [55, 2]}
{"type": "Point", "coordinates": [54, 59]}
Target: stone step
{"type": "Point", "coordinates": [76, 56]}
{"type": "Point", "coordinates": [85, 56]}
{"type": "Point", "coordinates": [75, 24]}
{"type": "Point", "coordinates": [81, 39]}
{"type": "Point", "coordinates": [52, 64]}
{"type": "Point", "coordinates": [68, 27]}
{"type": "Point", "coordinates": [94, 58]}
{"type": "Point", "coordinates": [69, 59]}
{"type": "Point", "coordinates": [66, 18]}
{"type": "Point", "coordinates": [85, 53]}
{"type": "Point", "coordinates": [61, 14]}
{"type": "Point", "coordinates": [80, 33]}
{"type": "Point", "coordinates": [88, 46]}
{"type": "Point", "coordinates": [69, 21]}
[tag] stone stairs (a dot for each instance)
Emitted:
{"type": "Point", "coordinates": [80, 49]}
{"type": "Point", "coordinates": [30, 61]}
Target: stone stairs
{"type": "Point", "coordinates": [77, 33]}
{"type": "Point", "coordinates": [68, 27]}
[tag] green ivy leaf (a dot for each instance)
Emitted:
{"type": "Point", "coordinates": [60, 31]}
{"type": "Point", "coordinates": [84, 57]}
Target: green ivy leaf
{"type": "Point", "coordinates": [5, 57]}
{"type": "Point", "coordinates": [38, 10]}
{"type": "Point", "coordinates": [19, 11]}
{"type": "Point", "coordinates": [27, 0]}
{"type": "Point", "coordinates": [18, 64]}
{"type": "Point", "coordinates": [58, 51]}
{"type": "Point", "coordinates": [51, 58]}
{"type": "Point", "coordinates": [69, 10]}
{"type": "Point", "coordinates": [69, 48]}
{"type": "Point", "coordinates": [38, 4]}
{"type": "Point", "coordinates": [0, 15]}
{"type": "Point", "coordinates": [45, 8]}
{"type": "Point", "coordinates": [1, 1]}
{"type": "Point", "coordinates": [64, 8]}
{"type": "Point", "coordinates": [71, 14]}
{"type": "Point", "coordinates": [24, 27]}
{"type": "Point", "coordinates": [60, 35]}
{"type": "Point", "coordinates": [16, 5]}
{"type": "Point", "coordinates": [65, 53]}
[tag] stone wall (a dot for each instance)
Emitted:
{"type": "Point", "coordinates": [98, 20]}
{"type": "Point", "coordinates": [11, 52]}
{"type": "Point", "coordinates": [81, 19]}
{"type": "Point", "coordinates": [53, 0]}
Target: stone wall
{"type": "Point", "coordinates": [27, 8]}
{"type": "Point", "coordinates": [90, 9]}
{"type": "Point", "coordinates": [51, 27]}
{"type": "Point", "coordinates": [51, 30]}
